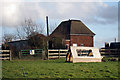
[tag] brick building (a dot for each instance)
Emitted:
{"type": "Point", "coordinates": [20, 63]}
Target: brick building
{"type": "Point", "coordinates": [74, 33]}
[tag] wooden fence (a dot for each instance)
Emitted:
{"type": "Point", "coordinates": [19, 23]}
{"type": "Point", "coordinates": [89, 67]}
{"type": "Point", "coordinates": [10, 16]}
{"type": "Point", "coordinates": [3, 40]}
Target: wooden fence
{"type": "Point", "coordinates": [57, 53]}
{"type": "Point", "coordinates": [5, 55]}
{"type": "Point", "coordinates": [110, 52]}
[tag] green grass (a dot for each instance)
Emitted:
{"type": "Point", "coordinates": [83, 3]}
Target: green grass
{"type": "Point", "coordinates": [58, 69]}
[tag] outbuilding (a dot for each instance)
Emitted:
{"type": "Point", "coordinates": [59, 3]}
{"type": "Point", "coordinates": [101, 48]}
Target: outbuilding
{"type": "Point", "coordinates": [74, 33]}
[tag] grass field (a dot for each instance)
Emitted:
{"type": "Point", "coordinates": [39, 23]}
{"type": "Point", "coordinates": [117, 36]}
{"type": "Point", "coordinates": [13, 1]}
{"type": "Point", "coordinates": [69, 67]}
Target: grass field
{"type": "Point", "coordinates": [58, 69]}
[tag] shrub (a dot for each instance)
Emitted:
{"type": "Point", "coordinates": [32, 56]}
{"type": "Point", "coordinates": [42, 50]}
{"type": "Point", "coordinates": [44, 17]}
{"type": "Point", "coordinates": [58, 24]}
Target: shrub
{"type": "Point", "coordinates": [106, 59]}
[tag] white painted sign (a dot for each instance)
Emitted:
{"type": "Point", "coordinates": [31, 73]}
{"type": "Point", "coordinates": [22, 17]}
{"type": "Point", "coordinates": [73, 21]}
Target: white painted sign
{"type": "Point", "coordinates": [32, 52]}
{"type": "Point", "coordinates": [85, 54]}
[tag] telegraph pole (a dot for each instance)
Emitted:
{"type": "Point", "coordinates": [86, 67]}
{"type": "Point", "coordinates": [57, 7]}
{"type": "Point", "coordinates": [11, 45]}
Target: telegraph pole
{"type": "Point", "coordinates": [47, 26]}
{"type": "Point", "coordinates": [47, 34]}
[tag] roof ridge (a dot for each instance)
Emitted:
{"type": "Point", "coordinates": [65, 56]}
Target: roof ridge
{"type": "Point", "coordinates": [71, 20]}
{"type": "Point", "coordinates": [75, 20]}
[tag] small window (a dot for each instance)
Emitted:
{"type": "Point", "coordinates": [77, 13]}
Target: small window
{"type": "Point", "coordinates": [81, 44]}
{"type": "Point", "coordinates": [74, 44]}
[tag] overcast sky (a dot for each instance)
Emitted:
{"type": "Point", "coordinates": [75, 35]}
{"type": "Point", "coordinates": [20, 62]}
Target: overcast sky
{"type": "Point", "coordinates": [100, 16]}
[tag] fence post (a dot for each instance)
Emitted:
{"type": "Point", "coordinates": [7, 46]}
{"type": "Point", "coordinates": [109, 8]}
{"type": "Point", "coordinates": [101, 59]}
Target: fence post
{"type": "Point", "coordinates": [47, 50]}
{"type": "Point", "coordinates": [19, 55]}
{"type": "Point", "coordinates": [110, 52]}
{"type": "Point", "coordinates": [43, 54]}
{"type": "Point", "coordinates": [59, 53]}
{"type": "Point", "coordinates": [48, 54]}
{"type": "Point", "coordinates": [10, 55]}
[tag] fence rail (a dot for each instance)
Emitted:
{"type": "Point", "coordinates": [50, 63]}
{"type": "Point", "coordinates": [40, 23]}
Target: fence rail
{"type": "Point", "coordinates": [5, 55]}
{"type": "Point", "coordinates": [110, 52]}
{"type": "Point", "coordinates": [57, 53]}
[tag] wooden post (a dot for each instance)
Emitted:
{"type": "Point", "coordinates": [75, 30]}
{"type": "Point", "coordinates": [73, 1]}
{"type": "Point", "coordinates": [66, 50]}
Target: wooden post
{"type": "Point", "coordinates": [110, 51]}
{"type": "Point", "coordinates": [59, 53]}
{"type": "Point", "coordinates": [10, 55]}
{"type": "Point", "coordinates": [43, 54]}
{"type": "Point", "coordinates": [47, 26]}
{"type": "Point", "coordinates": [47, 51]}
{"type": "Point", "coordinates": [47, 33]}
{"type": "Point", "coordinates": [19, 55]}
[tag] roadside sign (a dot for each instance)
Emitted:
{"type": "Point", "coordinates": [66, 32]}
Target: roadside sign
{"type": "Point", "coordinates": [32, 52]}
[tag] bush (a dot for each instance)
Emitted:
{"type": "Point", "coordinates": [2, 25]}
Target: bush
{"type": "Point", "coordinates": [106, 59]}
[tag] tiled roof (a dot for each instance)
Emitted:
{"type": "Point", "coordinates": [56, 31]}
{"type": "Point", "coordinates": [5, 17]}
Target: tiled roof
{"type": "Point", "coordinates": [71, 27]}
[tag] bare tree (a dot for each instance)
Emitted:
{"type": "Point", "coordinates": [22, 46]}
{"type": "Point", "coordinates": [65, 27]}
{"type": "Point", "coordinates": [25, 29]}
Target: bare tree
{"type": "Point", "coordinates": [52, 26]}
{"type": "Point", "coordinates": [20, 34]}
{"type": "Point", "coordinates": [29, 28]}
{"type": "Point", "coordinates": [8, 37]}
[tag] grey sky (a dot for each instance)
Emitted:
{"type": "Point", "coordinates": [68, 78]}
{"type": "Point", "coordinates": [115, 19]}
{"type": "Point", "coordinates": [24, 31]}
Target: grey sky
{"type": "Point", "coordinates": [98, 16]}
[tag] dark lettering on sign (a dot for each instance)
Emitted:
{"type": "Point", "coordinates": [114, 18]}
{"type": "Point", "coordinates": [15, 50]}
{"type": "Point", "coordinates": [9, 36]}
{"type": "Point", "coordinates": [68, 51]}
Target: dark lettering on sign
{"type": "Point", "coordinates": [83, 52]}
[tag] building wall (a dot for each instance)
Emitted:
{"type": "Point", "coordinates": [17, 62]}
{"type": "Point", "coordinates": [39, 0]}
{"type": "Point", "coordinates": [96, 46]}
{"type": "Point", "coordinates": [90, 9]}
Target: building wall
{"type": "Point", "coordinates": [87, 41]}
